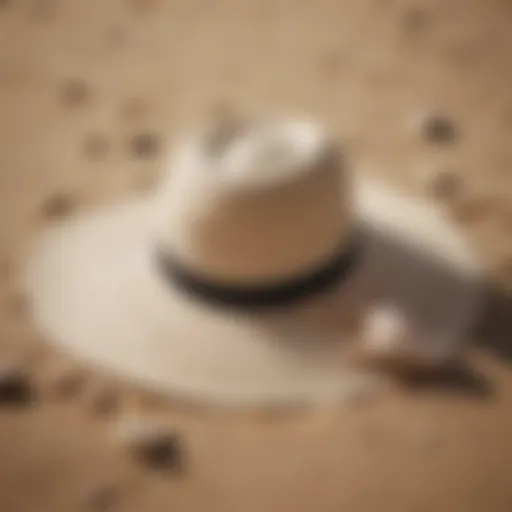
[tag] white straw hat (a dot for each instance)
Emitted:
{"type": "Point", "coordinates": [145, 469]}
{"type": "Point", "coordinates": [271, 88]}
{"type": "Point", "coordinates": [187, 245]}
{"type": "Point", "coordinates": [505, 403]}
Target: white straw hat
{"type": "Point", "coordinates": [236, 281]}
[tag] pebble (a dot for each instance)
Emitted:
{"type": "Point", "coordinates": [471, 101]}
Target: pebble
{"type": "Point", "coordinates": [15, 386]}
{"type": "Point", "coordinates": [439, 130]}
{"type": "Point", "coordinates": [57, 205]}
{"type": "Point", "coordinates": [145, 145]}
{"type": "Point", "coordinates": [154, 446]}
{"type": "Point", "coordinates": [75, 93]}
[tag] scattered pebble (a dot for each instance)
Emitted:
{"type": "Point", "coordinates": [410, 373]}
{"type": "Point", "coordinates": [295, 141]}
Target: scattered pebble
{"type": "Point", "coordinates": [15, 386]}
{"type": "Point", "coordinates": [439, 130]}
{"type": "Point", "coordinates": [75, 93]}
{"type": "Point", "coordinates": [57, 205]}
{"type": "Point", "coordinates": [145, 145]}
{"type": "Point", "coordinates": [95, 145]}
{"type": "Point", "coordinates": [155, 446]}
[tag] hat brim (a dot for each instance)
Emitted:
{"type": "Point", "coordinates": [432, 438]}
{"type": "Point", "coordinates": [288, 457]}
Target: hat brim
{"type": "Point", "coordinates": [96, 293]}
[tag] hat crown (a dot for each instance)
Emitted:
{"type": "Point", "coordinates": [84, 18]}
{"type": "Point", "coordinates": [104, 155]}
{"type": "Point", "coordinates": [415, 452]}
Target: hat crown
{"type": "Point", "coordinates": [253, 201]}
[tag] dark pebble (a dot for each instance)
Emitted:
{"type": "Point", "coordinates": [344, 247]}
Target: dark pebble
{"type": "Point", "coordinates": [439, 130]}
{"type": "Point", "coordinates": [156, 448]}
{"type": "Point", "coordinates": [4, 3]}
{"type": "Point", "coordinates": [75, 93]}
{"type": "Point", "coordinates": [145, 145]}
{"type": "Point", "coordinates": [15, 387]}
{"type": "Point", "coordinates": [58, 205]}
{"type": "Point", "coordinates": [162, 452]}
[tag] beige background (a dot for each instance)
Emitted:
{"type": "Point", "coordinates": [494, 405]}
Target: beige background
{"type": "Point", "coordinates": [92, 93]}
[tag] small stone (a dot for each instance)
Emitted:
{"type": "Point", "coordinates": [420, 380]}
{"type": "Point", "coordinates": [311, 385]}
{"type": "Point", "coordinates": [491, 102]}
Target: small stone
{"type": "Point", "coordinates": [4, 3]}
{"type": "Point", "coordinates": [153, 445]}
{"type": "Point", "coordinates": [58, 204]}
{"type": "Point", "coordinates": [15, 386]}
{"type": "Point", "coordinates": [145, 145]}
{"type": "Point", "coordinates": [95, 145]}
{"type": "Point", "coordinates": [75, 93]}
{"type": "Point", "coordinates": [439, 130]}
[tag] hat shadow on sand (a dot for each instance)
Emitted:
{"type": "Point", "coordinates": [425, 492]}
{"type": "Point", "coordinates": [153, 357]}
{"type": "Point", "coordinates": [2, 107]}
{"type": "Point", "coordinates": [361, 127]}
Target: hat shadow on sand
{"type": "Point", "coordinates": [490, 333]}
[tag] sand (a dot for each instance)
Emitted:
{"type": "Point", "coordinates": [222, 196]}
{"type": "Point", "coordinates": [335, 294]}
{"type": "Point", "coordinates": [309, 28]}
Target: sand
{"type": "Point", "coordinates": [92, 95]}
